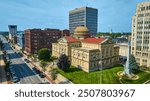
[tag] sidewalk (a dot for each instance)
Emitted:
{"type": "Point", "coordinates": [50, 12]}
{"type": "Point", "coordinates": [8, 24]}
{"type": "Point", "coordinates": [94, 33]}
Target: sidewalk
{"type": "Point", "coordinates": [47, 76]}
{"type": "Point", "coordinates": [3, 78]}
{"type": "Point", "coordinates": [59, 80]}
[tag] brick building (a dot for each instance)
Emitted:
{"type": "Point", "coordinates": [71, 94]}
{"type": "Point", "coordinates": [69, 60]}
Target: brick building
{"type": "Point", "coordinates": [36, 39]}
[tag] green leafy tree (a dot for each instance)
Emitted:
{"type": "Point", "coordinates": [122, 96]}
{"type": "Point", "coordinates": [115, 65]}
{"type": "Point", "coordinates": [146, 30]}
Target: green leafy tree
{"type": "Point", "coordinates": [29, 56]}
{"type": "Point", "coordinates": [133, 63]}
{"type": "Point", "coordinates": [53, 74]}
{"type": "Point", "coordinates": [63, 62]}
{"type": "Point", "coordinates": [44, 54]}
{"type": "Point", "coordinates": [1, 44]}
{"type": "Point", "coordinates": [43, 65]}
{"type": "Point", "coordinates": [7, 66]}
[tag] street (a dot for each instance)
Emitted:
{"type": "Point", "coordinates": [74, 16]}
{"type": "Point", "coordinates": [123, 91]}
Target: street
{"type": "Point", "coordinates": [21, 69]}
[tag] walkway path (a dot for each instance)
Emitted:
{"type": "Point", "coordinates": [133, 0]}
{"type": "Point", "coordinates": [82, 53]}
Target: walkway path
{"type": "Point", "coordinates": [59, 80]}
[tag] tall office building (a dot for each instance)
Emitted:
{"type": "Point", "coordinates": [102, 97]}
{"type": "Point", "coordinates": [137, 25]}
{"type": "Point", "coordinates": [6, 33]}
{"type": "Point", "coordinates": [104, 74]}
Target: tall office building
{"type": "Point", "coordinates": [12, 29]}
{"type": "Point", "coordinates": [12, 33]}
{"type": "Point", "coordinates": [84, 16]}
{"type": "Point", "coordinates": [141, 34]}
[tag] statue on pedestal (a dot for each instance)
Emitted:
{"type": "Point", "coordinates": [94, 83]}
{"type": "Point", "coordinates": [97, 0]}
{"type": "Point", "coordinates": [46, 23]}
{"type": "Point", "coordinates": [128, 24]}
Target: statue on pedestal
{"type": "Point", "coordinates": [127, 65]}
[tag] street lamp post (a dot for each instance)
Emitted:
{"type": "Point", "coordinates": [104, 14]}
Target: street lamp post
{"type": "Point", "coordinates": [100, 68]}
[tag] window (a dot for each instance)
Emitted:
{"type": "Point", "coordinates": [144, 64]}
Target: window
{"type": "Point", "coordinates": [78, 55]}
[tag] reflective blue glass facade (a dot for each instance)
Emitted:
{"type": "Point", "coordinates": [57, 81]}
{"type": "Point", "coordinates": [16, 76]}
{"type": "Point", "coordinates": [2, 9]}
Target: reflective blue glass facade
{"type": "Point", "coordinates": [84, 16]}
{"type": "Point", "coordinates": [20, 39]}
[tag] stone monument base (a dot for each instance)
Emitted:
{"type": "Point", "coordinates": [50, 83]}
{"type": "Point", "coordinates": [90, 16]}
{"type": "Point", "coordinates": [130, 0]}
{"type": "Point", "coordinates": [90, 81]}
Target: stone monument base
{"type": "Point", "coordinates": [132, 76]}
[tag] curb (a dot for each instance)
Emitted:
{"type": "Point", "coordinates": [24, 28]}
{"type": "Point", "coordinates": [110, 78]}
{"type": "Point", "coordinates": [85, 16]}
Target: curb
{"type": "Point", "coordinates": [49, 79]}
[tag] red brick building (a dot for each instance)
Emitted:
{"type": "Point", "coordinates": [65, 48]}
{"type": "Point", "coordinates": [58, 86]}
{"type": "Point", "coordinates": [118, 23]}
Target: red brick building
{"type": "Point", "coordinates": [36, 39]}
{"type": "Point", "coordinates": [65, 33]}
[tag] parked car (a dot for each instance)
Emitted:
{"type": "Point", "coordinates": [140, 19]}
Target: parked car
{"type": "Point", "coordinates": [20, 54]}
{"type": "Point", "coordinates": [42, 75]}
{"type": "Point", "coordinates": [15, 79]}
{"type": "Point", "coordinates": [45, 83]}
{"type": "Point", "coordinates": [36, 70]}
{"type": "Point", "coordinates": [26, 60]}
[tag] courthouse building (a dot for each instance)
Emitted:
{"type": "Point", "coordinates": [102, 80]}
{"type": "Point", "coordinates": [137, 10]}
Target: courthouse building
{"type": "Point", "coordinates": [85, 52]}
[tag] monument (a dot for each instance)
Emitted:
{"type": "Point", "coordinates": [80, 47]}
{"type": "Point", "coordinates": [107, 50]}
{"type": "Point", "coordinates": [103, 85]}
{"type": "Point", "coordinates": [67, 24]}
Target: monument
{"type": "Point", "coordinates": [127, 65]}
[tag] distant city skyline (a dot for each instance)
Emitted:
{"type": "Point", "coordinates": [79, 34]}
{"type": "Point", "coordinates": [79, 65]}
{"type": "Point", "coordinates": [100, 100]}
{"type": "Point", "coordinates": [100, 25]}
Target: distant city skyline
{"type": "Point", "coordinates": [28, 14]}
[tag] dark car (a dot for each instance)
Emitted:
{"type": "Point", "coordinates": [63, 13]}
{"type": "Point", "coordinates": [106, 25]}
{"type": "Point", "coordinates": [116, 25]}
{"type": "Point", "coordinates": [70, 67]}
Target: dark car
{"type": "Point", "coordinates": [42, 75]}
{"type": "Point", "coordinates": [26, 60]}
{"type": "Point", "coordinates": [15, 79]}
{"type": "Point", "coordinates": [36, 70]}
{"type": "Point", "coordinates": [45, 83]}
{"type": "Point", "coordinates": [20, 54]}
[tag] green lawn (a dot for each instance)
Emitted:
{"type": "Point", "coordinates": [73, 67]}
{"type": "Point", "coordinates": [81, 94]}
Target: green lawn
{"type": "Point", "coordinates": [143, 76]}
{"type": "Point", "coordinates": [107, 76]}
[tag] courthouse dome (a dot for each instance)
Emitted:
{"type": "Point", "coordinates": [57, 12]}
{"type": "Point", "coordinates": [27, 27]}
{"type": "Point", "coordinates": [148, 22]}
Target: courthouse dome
{"type": "Point", "coordinates": [81, 30]}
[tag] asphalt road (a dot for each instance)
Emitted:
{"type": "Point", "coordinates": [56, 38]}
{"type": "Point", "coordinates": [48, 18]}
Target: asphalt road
{"type": "Point", "coordinates": [21, 69]}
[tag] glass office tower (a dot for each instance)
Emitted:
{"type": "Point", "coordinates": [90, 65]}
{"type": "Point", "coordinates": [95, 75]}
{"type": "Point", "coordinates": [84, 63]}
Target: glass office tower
{"type": "Point", "coordinates": [84, 16]}
{"type": "Point", "coordinates": [12, 31]}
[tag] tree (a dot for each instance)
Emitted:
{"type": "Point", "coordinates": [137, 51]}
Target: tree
{"type": "Point", "coordinates": [44, 54]}
{"type": "Point", "coordinates": [29, 56]}
{"type": "Point", "coordinates": [63, 62]}
{"type": "Point", "coordinates": [133, 63]}
{"type": "Point", "coordinates": [34, 57]}
{"type": "Point", "coordinates": [7, 66]}
{"type": "Point", "coordinates": [1, 44]}
{"type": "Point", "coordinates": [53, 74]}
{"type": "Point", "coordinates": [43, 65]}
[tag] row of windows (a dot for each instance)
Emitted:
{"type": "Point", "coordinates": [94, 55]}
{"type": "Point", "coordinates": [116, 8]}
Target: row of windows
{"type": "Point", "coordinates": [144, 15]}
{"type": "Point", "coordinates": [139, 37]}
{"type": "Point", "coordinates": [37, 34]}
{"type": "Point", "coordinates": [79, 55]}
{"type": "Point", "coordinates": [145, 22]}
{"type": "Point", "coordinates": [147, 32]}
{"type": "Point", "coordinates": [145, 48]}
{"type": "Point", "coordinates": [77, 16]}
{"type": "Point", "coordinates": [35, 37]}
{"type": "Point", "coordinates": [144, 60]}
{"type": "Point", "coordinates": [145, 26]}
{"type": "Point", "coordinates": [145, 8]}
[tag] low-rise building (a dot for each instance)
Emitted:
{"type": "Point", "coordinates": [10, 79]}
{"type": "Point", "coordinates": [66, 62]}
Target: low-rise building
{"type": "Point", "coordinates": [85, 52]}
{"type": "Point", "coordinates": [123, 50]}
{"type": "Point", "coordinates": [35, 39]}
{"type": "Point", "coordinates": [120, 40]}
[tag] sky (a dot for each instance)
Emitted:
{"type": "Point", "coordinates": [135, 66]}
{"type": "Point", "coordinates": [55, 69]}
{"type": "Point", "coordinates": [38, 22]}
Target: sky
{"type": "Point", "coordinates": [28, 14]}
